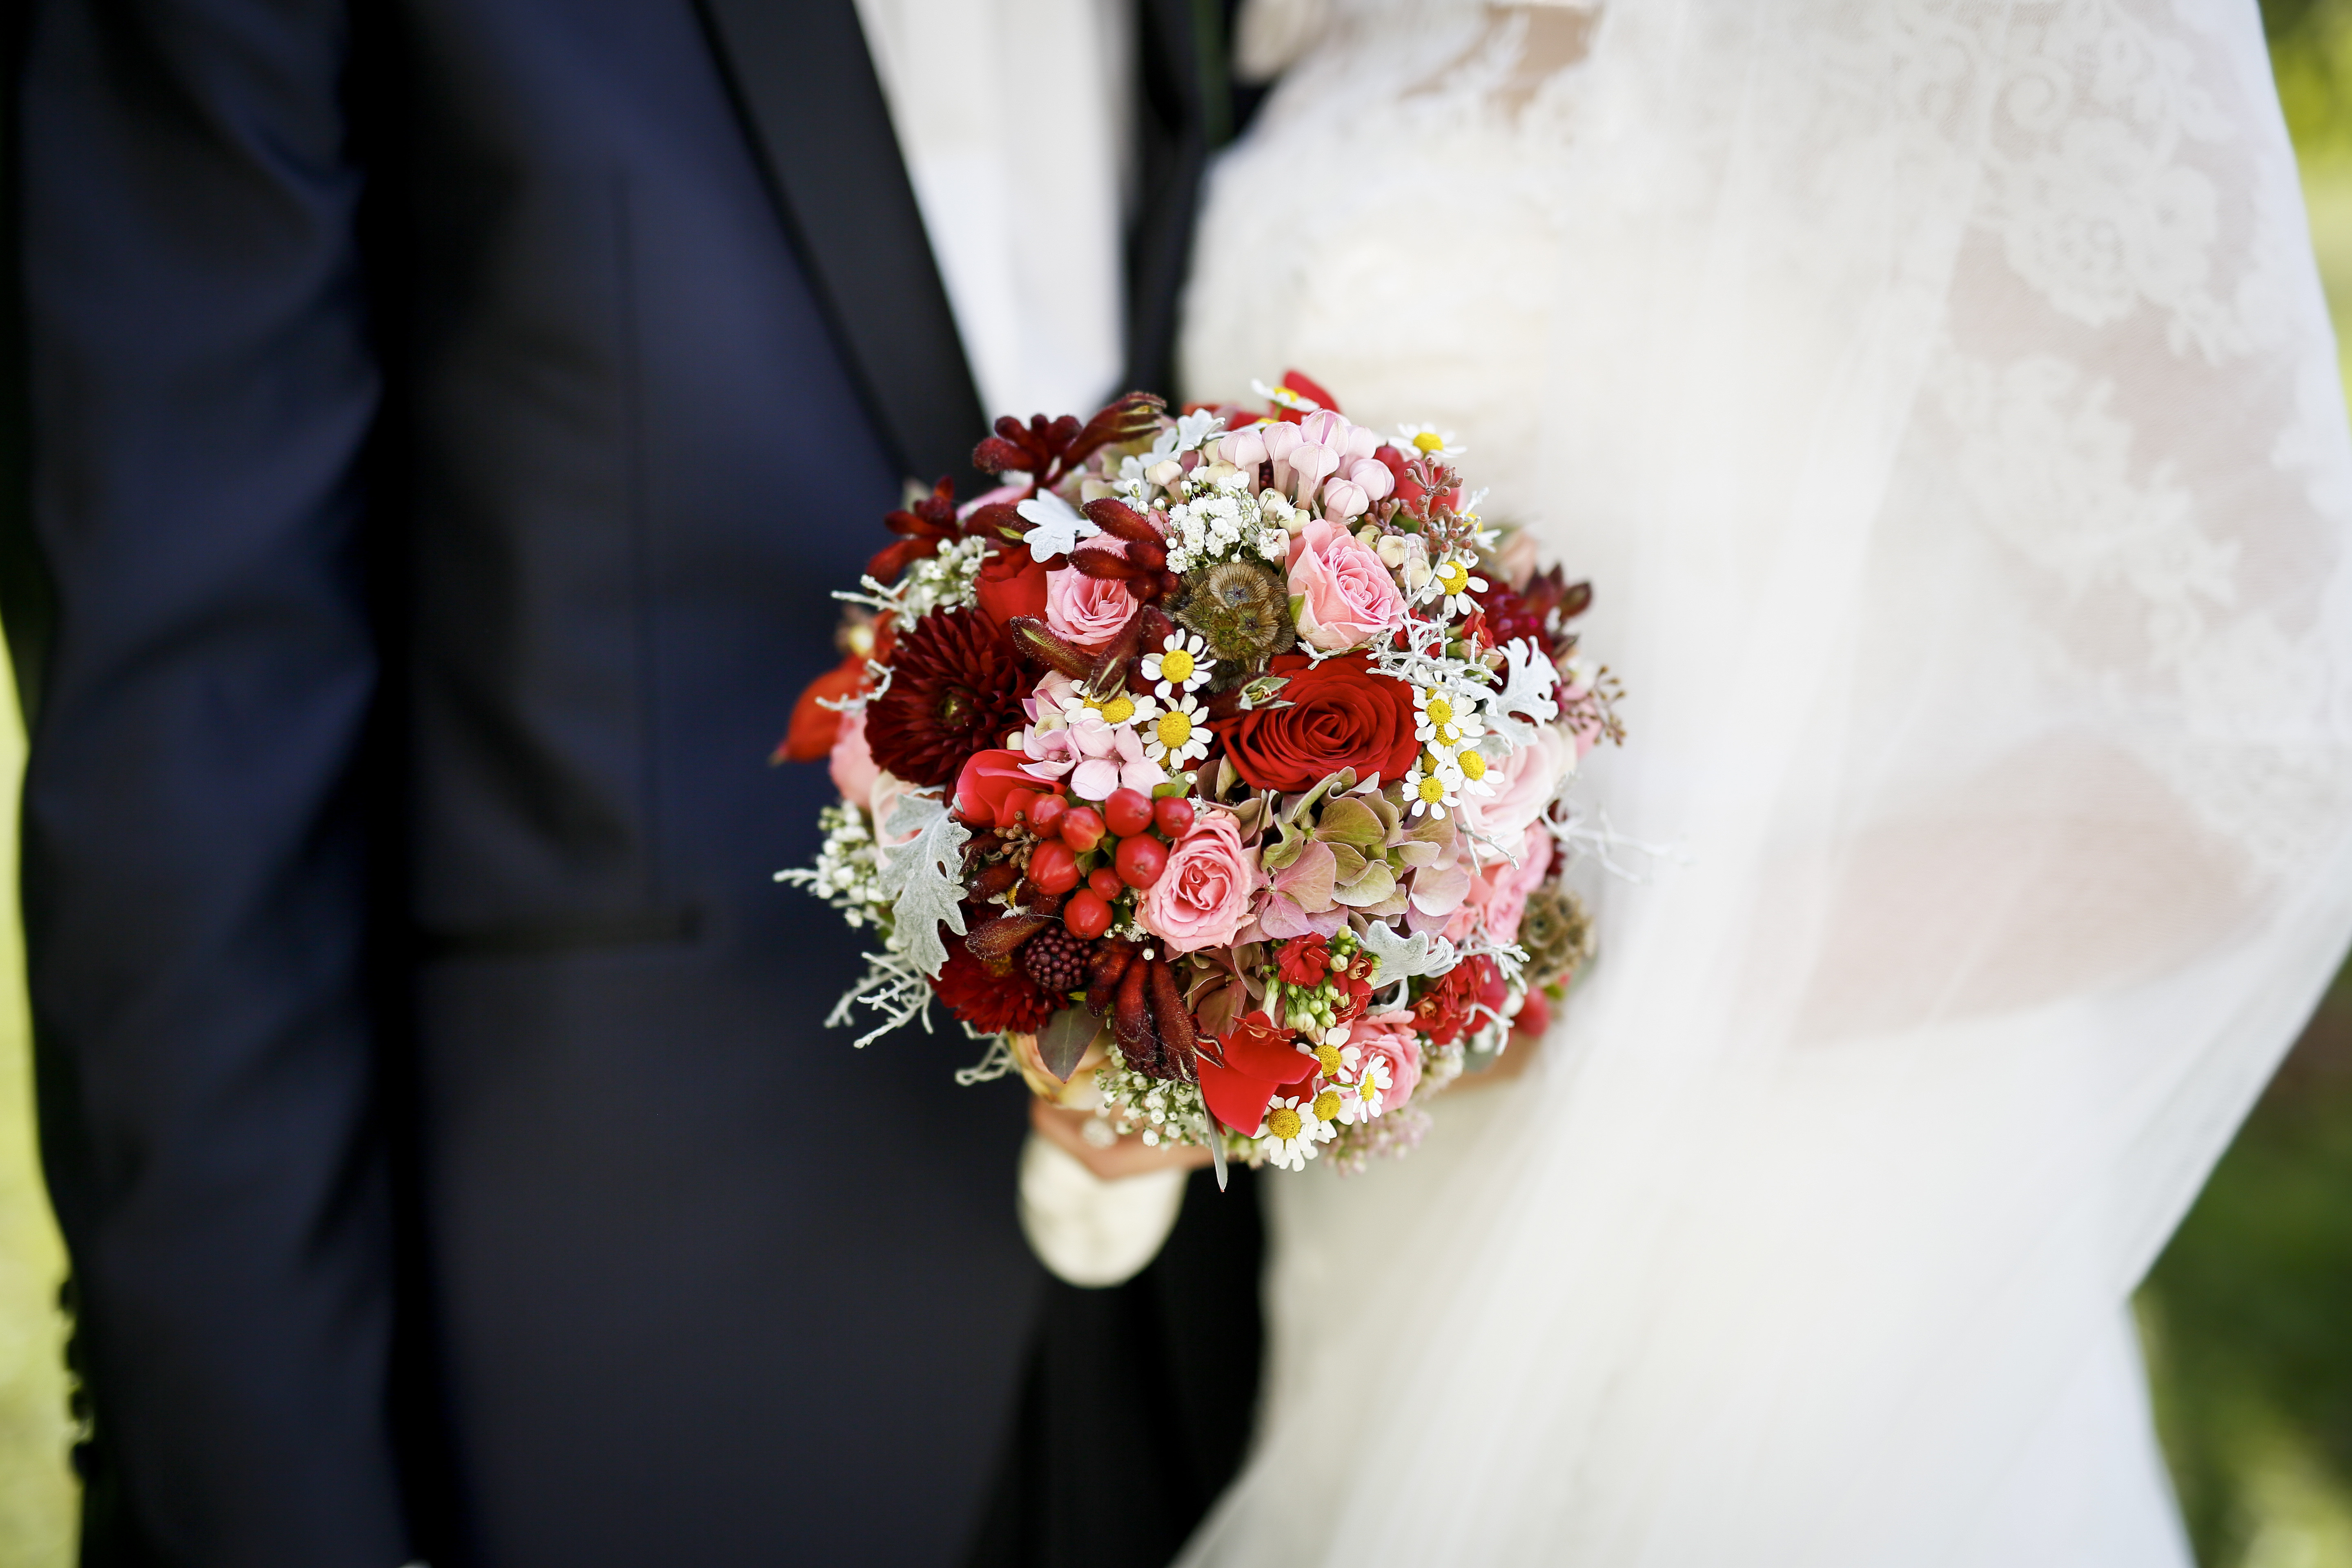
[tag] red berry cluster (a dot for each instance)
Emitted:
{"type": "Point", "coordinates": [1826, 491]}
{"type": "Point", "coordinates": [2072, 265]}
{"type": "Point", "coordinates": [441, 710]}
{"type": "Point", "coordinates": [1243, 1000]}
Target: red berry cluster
{"type": "Point", "coordinates": [1119, 850]}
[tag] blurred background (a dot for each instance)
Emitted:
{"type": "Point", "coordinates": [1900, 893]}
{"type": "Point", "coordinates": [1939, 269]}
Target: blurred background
{"type": "Point", "coordinates": [2247, 1318]}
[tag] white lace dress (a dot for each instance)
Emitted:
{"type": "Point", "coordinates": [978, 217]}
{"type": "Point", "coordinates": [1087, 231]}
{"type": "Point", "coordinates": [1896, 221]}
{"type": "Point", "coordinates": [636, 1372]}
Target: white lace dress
{"type": "Point", "coordinates": [1942, 397]}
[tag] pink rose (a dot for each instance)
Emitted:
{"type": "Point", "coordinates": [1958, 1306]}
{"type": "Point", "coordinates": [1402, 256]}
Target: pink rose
{"type": "Point", "coordinates": [1346, 597]}
{"type": "Point", "coordinates": [888, 791]}
{"type": "Point", "coordinates": [1390, 1037]}
{"type": "Point", "coordinates": [1204, 896]}
{"type": "Point", "coordinates": [1088, 611]}
{"type": "Point", "coordinates": [1499, 897]}
{"type": "Point", "coordinates": [1524, 783]}
{"type": "Point", "coordinates": [853, 766]}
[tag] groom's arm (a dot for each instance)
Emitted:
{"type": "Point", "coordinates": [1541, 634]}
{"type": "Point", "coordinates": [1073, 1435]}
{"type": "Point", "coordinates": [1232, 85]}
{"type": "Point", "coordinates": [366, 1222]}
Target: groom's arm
{"type": "Point", "coordinates": [199, 390]}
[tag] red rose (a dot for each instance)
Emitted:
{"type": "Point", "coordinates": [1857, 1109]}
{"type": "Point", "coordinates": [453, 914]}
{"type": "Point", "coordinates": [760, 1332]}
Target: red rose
{"type": "Point", "coordinates": [1011, 584]}
{"type": "Point", "coordinates": [1341, 715]}
{"type": "Point", "coordinates": [815, 726]}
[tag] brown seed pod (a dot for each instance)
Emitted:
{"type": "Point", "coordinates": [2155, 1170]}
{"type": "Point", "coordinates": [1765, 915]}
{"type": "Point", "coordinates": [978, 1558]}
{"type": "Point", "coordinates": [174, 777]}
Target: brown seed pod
{"type": "Point", "coordinates": [998, 878]}
{"type": "Point", "coordinates": [1121, 521]}
{"type": "Point", "coordinates": [993, 940]}
{"type": "Point", "coordinates": [1130, 1019]}
{"type": "Point", "coordinates": [1172, 1020]}
{"type": "Point", "coordinates": [1105, 970]}
{"type": "Point", "coordinates": [1031, 638]}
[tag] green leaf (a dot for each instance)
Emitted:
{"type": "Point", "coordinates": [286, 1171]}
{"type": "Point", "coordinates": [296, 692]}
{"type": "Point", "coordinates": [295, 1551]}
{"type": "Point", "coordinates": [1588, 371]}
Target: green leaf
{"type": "Point", "coordinates": [1062, 1043]}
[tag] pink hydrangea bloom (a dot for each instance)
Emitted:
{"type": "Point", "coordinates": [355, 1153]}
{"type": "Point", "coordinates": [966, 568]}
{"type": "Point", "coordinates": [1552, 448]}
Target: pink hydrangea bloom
{"type": "Point", "coordinates": [1097, 757]}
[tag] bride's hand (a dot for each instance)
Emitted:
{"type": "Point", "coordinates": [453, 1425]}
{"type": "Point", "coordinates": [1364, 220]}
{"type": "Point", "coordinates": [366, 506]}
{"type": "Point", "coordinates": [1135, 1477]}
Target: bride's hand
{"type": "Point", "coordinates": [1128, 1157]}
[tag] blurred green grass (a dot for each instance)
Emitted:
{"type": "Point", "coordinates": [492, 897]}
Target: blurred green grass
{"type": "Point", "coordinates": [37, 1496]}
{"type": "Point", "coordinates": [2247, 1316]}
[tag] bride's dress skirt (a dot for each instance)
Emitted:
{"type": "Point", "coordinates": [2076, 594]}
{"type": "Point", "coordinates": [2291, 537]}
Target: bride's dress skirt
{"type": "Point", "coordinates": [1941, 398]}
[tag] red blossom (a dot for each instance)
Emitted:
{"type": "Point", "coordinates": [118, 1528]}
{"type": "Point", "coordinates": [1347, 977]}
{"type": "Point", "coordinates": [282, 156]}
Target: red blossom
{"type": "Point", "coordinates": [815, 726]}
{"type": "Point", "coordinates": [923, 528]}
{"type": "Point", "coordinates": [1450, 1008]}
{"type": "Point", "coordinates": [1240, 1070]}
{"type": "Point", "coordinates": [1304, 959]}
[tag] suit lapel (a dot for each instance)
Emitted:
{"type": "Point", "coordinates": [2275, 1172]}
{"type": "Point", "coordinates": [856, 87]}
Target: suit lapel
{"type": "Point", "coordinates": [805, 87]}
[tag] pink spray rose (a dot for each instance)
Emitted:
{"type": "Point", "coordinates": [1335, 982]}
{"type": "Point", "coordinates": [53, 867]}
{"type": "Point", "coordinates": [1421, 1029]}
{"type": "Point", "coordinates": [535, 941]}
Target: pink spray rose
{"type": "Point", "coordinates": [853, 766]}
{"type": "Point", "coordinates": [1347, 597]}
{"type": "Point", "coordinates": [1204, 896]}
{"type": "Point", "coordinates": [1523, 784]}
{"type": "Point", "coordinates": [888, 791]}
{"type": "Point", "coordinates": [1499, 897]}
{"type": "Point", "coordinates": [1088, 611]}
{"type": "Point", "coordinates": [1389, 1037]}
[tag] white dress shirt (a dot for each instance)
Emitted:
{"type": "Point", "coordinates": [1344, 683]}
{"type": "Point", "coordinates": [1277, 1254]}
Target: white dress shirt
{"type": "Point", "coordinates": [1012, 117]}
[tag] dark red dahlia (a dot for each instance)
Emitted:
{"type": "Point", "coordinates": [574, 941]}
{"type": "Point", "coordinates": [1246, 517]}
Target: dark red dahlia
{"type": "Point", "coordinates": [1540, 612]}
{"type": "Point", "coordinates": [955, 688]}
{"type": "Point", "coordinates": [1508, 615]}
{"type": "Point", "coordinates": [992, 1003]}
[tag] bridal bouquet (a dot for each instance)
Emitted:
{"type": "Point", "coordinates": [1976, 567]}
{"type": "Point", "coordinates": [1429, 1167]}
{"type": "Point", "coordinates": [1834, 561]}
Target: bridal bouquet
{"type": "Point", "coordinates": [1212, 767]}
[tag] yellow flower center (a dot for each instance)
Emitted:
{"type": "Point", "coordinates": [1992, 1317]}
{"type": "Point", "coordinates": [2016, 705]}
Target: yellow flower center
{"type": "Point", "coordinates": [1447, 735]}
{"type": "Point", "coordinates": [1329, 1056]}
{"type": "Point", "coordinates": [1452, 577]}
{"type": "Point", "coordinates": [1433, 791]}
{"type": "Point", "coordinates": [1282, 1122]}
{"type": "Point", "coordinates": [1118, 711]}
{"type": "Point", "coordinates": [1176, 664]}
{"type": "Point", "coordinates": [1327, 1104]}
{"type": "Point", "coordinates": [1473, 765]}
{"type": "Point", "coordinates": [1440, 711]}
{"type": "Point", "coordinates": [1175, 728]}
{"type": "Point", "coordinates": [1429, 441]}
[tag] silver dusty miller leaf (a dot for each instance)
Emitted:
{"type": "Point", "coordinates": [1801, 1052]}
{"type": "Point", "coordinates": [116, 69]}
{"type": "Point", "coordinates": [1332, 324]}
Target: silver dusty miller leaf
{"type": "Point", "coordinates": [921, 878]}
{"type": "Point", "coordinates": [1526, 700]}
{"type": "Point", "coordinates": [1405, 958]}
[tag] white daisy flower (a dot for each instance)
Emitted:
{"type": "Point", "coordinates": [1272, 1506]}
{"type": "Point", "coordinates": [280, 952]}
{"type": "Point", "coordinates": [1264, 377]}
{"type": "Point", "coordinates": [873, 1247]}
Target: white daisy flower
{"type": "Point", "coordinates": [1339, 1061]}
{"type": "Point", "coordinates": [1446, 721]}
{"type": "Point", "coordinates": [1292, 1131]}
{"type": "Point", "coordinates": [1429, 441]}
{"type": "Point", "coordinates": [1455, 583]}
{"type": "Point", "coordinates": [1181, 660]}
{"type": "Point", "coordinates": [1434, 785]}
{"type": "Point", "coordinates": [1474, 768]}
{"type": "Point", "coordinates": [1368, 1096]}
{"type": "Point", "coordinates": [1177, 733]}
{"type": "Point", "coordinates": [1119, 707]}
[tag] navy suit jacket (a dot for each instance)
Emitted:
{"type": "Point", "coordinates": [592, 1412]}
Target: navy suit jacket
{"type": "Point", "coordinates": [444, 421]}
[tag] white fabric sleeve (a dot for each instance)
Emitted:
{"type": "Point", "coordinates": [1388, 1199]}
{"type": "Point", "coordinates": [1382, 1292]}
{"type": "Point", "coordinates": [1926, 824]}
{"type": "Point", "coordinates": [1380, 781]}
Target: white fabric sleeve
{"type": "Point", "coordinates": [1088, 1231]}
